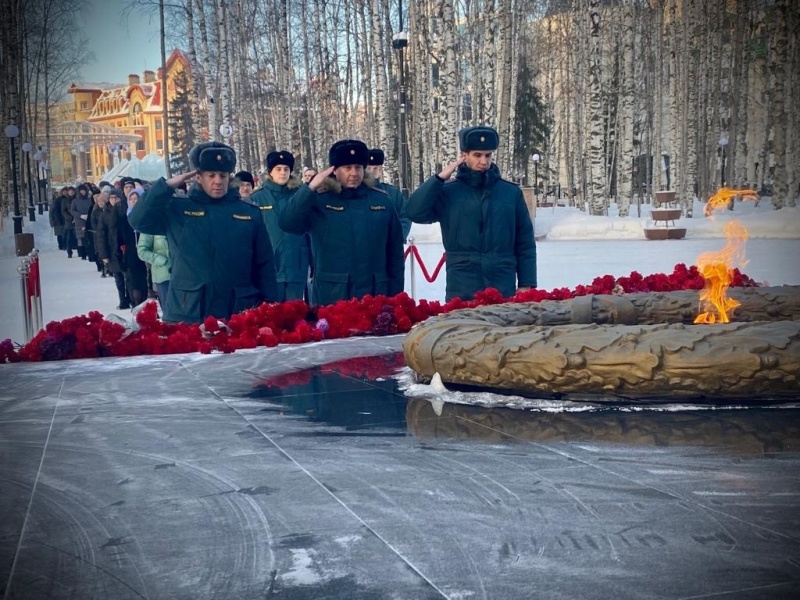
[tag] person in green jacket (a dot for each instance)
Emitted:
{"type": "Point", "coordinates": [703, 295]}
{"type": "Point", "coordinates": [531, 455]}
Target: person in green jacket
{"type": "Point", "coordinates": [154, 250]}
{"type": "Point", "coordinates": [291, 250]}
{"type": "Point", "coordinates": [486, 228]}
{"type": "Point", "coordinates": [356, 238]}
{"type": "Point", "coordinates": [375, 168]}
{"type": "Point", "coordinates": [222, 259]}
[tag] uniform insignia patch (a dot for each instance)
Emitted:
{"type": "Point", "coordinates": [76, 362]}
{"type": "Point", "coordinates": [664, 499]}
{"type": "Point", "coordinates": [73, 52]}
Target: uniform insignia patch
{"type": "Point", "coordinates": [377, 208]}
{"type": "Point", "coordinates": [195, 213]}
{"type": "Point", "coordinates": [331, 207]}
{"type": "Point", "coordinates": [242, 217]}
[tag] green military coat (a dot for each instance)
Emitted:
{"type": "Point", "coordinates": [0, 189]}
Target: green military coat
{"type": "Point", "coordinates": [486, 231]}
{"type": "Point", "coordinates": [356, 240]}
{"type": "Point", "coordinates": [222, 259]}
{"type": "Point", "coordinates": [291, 250]}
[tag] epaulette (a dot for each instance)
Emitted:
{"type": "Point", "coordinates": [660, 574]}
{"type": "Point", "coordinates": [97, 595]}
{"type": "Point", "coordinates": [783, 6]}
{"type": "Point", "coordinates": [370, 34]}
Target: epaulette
{"type": "Point", "coordinates": [379, 189]}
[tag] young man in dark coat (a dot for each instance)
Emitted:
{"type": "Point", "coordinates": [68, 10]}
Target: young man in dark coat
{"type": "Point", "coordinates": [356, 238]}
{"type": "Point", "coordinates": [375, 168]}
{"type": "Point", "coordinates": [222, 260]}
{"type": "Point", "coordinates": [486, 229]}
{"type": "Point", "coordinates": [291, 250]}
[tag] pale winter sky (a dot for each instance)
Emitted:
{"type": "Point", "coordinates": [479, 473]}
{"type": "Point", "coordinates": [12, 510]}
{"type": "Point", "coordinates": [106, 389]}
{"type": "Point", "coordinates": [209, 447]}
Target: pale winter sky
{"type": "Point", "coordinates": [120, 46]}
{"type": "Point", "coordinates": [576, 249]}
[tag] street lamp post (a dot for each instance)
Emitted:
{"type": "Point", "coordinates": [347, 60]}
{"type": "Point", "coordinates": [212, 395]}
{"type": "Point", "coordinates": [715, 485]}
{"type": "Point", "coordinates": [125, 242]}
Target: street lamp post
{"type": "Point", "coordinates": [38, 157]}
{"type": "Point", "coordinates": [536, 158]}
{"type": "Point", "coordinates": [12, 132]}
{"type": "Point", "coordinates": [399, 43]}
{"type": "Point", "coordinates": [723, 143]}
{"type": "Point", "coordinates": [26, 148]}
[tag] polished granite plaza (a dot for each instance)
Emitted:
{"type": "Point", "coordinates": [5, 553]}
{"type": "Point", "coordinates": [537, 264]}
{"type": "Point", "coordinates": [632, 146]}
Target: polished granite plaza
{"type": "Point", "coordinates": [306, 472]}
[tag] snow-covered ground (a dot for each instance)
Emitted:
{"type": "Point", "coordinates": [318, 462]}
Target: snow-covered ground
{"type": "Point", "coordinates": [575, 249]}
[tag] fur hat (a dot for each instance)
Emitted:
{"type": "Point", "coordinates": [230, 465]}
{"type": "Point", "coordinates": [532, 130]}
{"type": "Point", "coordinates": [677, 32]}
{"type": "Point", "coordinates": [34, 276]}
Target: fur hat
{"type": "Point", "coordinates": [245, 176]}
{"type": "Point", "coordinates": [282, 157]}
{"type": "Point", "coordinates": [479, 137]}
{"type": "Point", "coordinates": [376, 157]}
{"type": "Point", "coordinates": [212, 156]}
{"type": "Point", "coordinates": [348, 152]}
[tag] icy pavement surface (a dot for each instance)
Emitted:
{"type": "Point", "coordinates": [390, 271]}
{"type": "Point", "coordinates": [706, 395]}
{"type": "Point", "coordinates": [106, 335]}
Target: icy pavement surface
{"type": "Point", "coordinates": [324, 471]}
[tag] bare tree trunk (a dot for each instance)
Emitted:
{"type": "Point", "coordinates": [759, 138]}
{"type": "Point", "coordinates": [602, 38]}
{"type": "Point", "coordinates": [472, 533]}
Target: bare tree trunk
{"type": "Point", "coordinates": [597, 187]}
{"type": "Point", "coordinates": [209, 101]}
{"type": "Point", "coordinates": [779, 43]}
{"type": "Point", "coordinates": [625, 163]}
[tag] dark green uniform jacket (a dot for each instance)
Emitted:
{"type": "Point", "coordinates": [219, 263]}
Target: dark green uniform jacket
{"type": "Point", "coordinates": [486, 231]}
{"type": "Point", "coordinates": [291, 250]}
{"type": "Point", "coordinates": [396, 196]}
{"type": "Point", "coordinates": [356, 240]}
{"type": "Point", "coordinates": [222, 260]}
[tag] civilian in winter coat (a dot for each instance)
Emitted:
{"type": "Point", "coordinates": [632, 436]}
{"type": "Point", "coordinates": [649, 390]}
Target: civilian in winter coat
{"type": "Point", "coordinates": [108, 242]}
{"type": "Point", "coordinates": [356, 238]}
{"type": "Point", "coordinates": [69, 223]}
{"type": "Point", "coordinates": [100, 202]}
{"type": "Point", "coordinates": [135, 267]}
{"type": "Point", "coordinates": [222, 260]}
{"type": "Point", "coordinates": [154, 250]}
{"type": "Point", "coordinates": [291, 250]}
{"type": "Point", "coordinates": [79, 208]}
{"type": "Point", "coordinates": [57, 218]}
{"type": "Point", "coordinates": [486, 229]}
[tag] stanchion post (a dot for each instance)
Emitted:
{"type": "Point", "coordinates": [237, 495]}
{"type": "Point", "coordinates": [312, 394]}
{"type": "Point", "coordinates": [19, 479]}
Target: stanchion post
{"type": "Point", "coordinates": [23, 271]}
{"type": "Point", "coordinates": [36, 300]}
{"type": "Point", "coordinates": [411, 269]}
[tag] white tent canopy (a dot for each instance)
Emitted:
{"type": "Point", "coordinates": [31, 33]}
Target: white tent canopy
{"type": "Point", "coordinates": [149, 168]}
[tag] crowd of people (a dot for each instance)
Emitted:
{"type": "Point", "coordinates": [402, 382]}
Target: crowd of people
{"type": "Point", "coordinates": [214, 241]}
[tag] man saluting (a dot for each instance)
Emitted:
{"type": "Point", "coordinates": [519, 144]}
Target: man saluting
{"type": "Point", "coordinates": [486, 229]}
{"type": "Point", "coordinates": [222, 260]}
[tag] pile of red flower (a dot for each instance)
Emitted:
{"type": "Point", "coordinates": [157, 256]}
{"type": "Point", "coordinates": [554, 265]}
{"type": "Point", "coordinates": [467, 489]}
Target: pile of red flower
{"type": "Point", "coordinates": [295, 322]}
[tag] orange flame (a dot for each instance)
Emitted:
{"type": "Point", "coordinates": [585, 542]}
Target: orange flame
{"type": "Point", "coordinates": [717, 267]}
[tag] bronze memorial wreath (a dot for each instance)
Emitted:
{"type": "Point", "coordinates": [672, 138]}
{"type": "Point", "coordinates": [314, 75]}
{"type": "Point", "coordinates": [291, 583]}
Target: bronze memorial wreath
{"type": "Point", "coordinates": [632, 346]}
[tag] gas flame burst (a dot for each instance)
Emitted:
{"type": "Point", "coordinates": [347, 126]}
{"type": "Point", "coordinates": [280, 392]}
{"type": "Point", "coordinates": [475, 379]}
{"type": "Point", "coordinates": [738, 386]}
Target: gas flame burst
{"type": "Point", "coordinates": [717, 267]}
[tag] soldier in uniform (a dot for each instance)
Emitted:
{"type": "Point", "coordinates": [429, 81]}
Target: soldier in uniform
{"type": "Point", "coordinates": [291, 250]}
{"type": "Point", "coordinates": [356, 238]}
{"type": "Point", "coordinates": [486, 229]}
{"type": "Point", "coordinates": [375, 169]}
{"type": "Point", "coordinates": [245, 183]}
{"type": "Point", "coordinates": [222, 260]}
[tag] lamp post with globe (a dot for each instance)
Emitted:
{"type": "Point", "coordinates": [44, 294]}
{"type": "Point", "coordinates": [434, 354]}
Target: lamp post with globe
{"type": "Point", "coordinates": [40, 181]}
{"type": "Point", "coordinates": [26, 148]}
{"type": "Point", "coordinates": [723, 143]}
{"type": "Point", "coordinates": [12, 133]}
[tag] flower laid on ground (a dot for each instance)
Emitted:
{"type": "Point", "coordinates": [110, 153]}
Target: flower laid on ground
{"type": "Point", "coordinates": [295, 322]}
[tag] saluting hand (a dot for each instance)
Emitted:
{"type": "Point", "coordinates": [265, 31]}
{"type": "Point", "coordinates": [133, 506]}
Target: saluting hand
{"type": "Point", "coordinates": [174, 182]}
{"type": "Point", "coordinates": [448, 171]}
{"type": "Point", "coordinates": [319, 178]}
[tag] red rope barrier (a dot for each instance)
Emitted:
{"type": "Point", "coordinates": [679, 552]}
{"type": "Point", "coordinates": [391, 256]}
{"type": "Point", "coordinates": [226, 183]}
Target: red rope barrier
{"type": "Point", "coordinates": [429, 278]}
